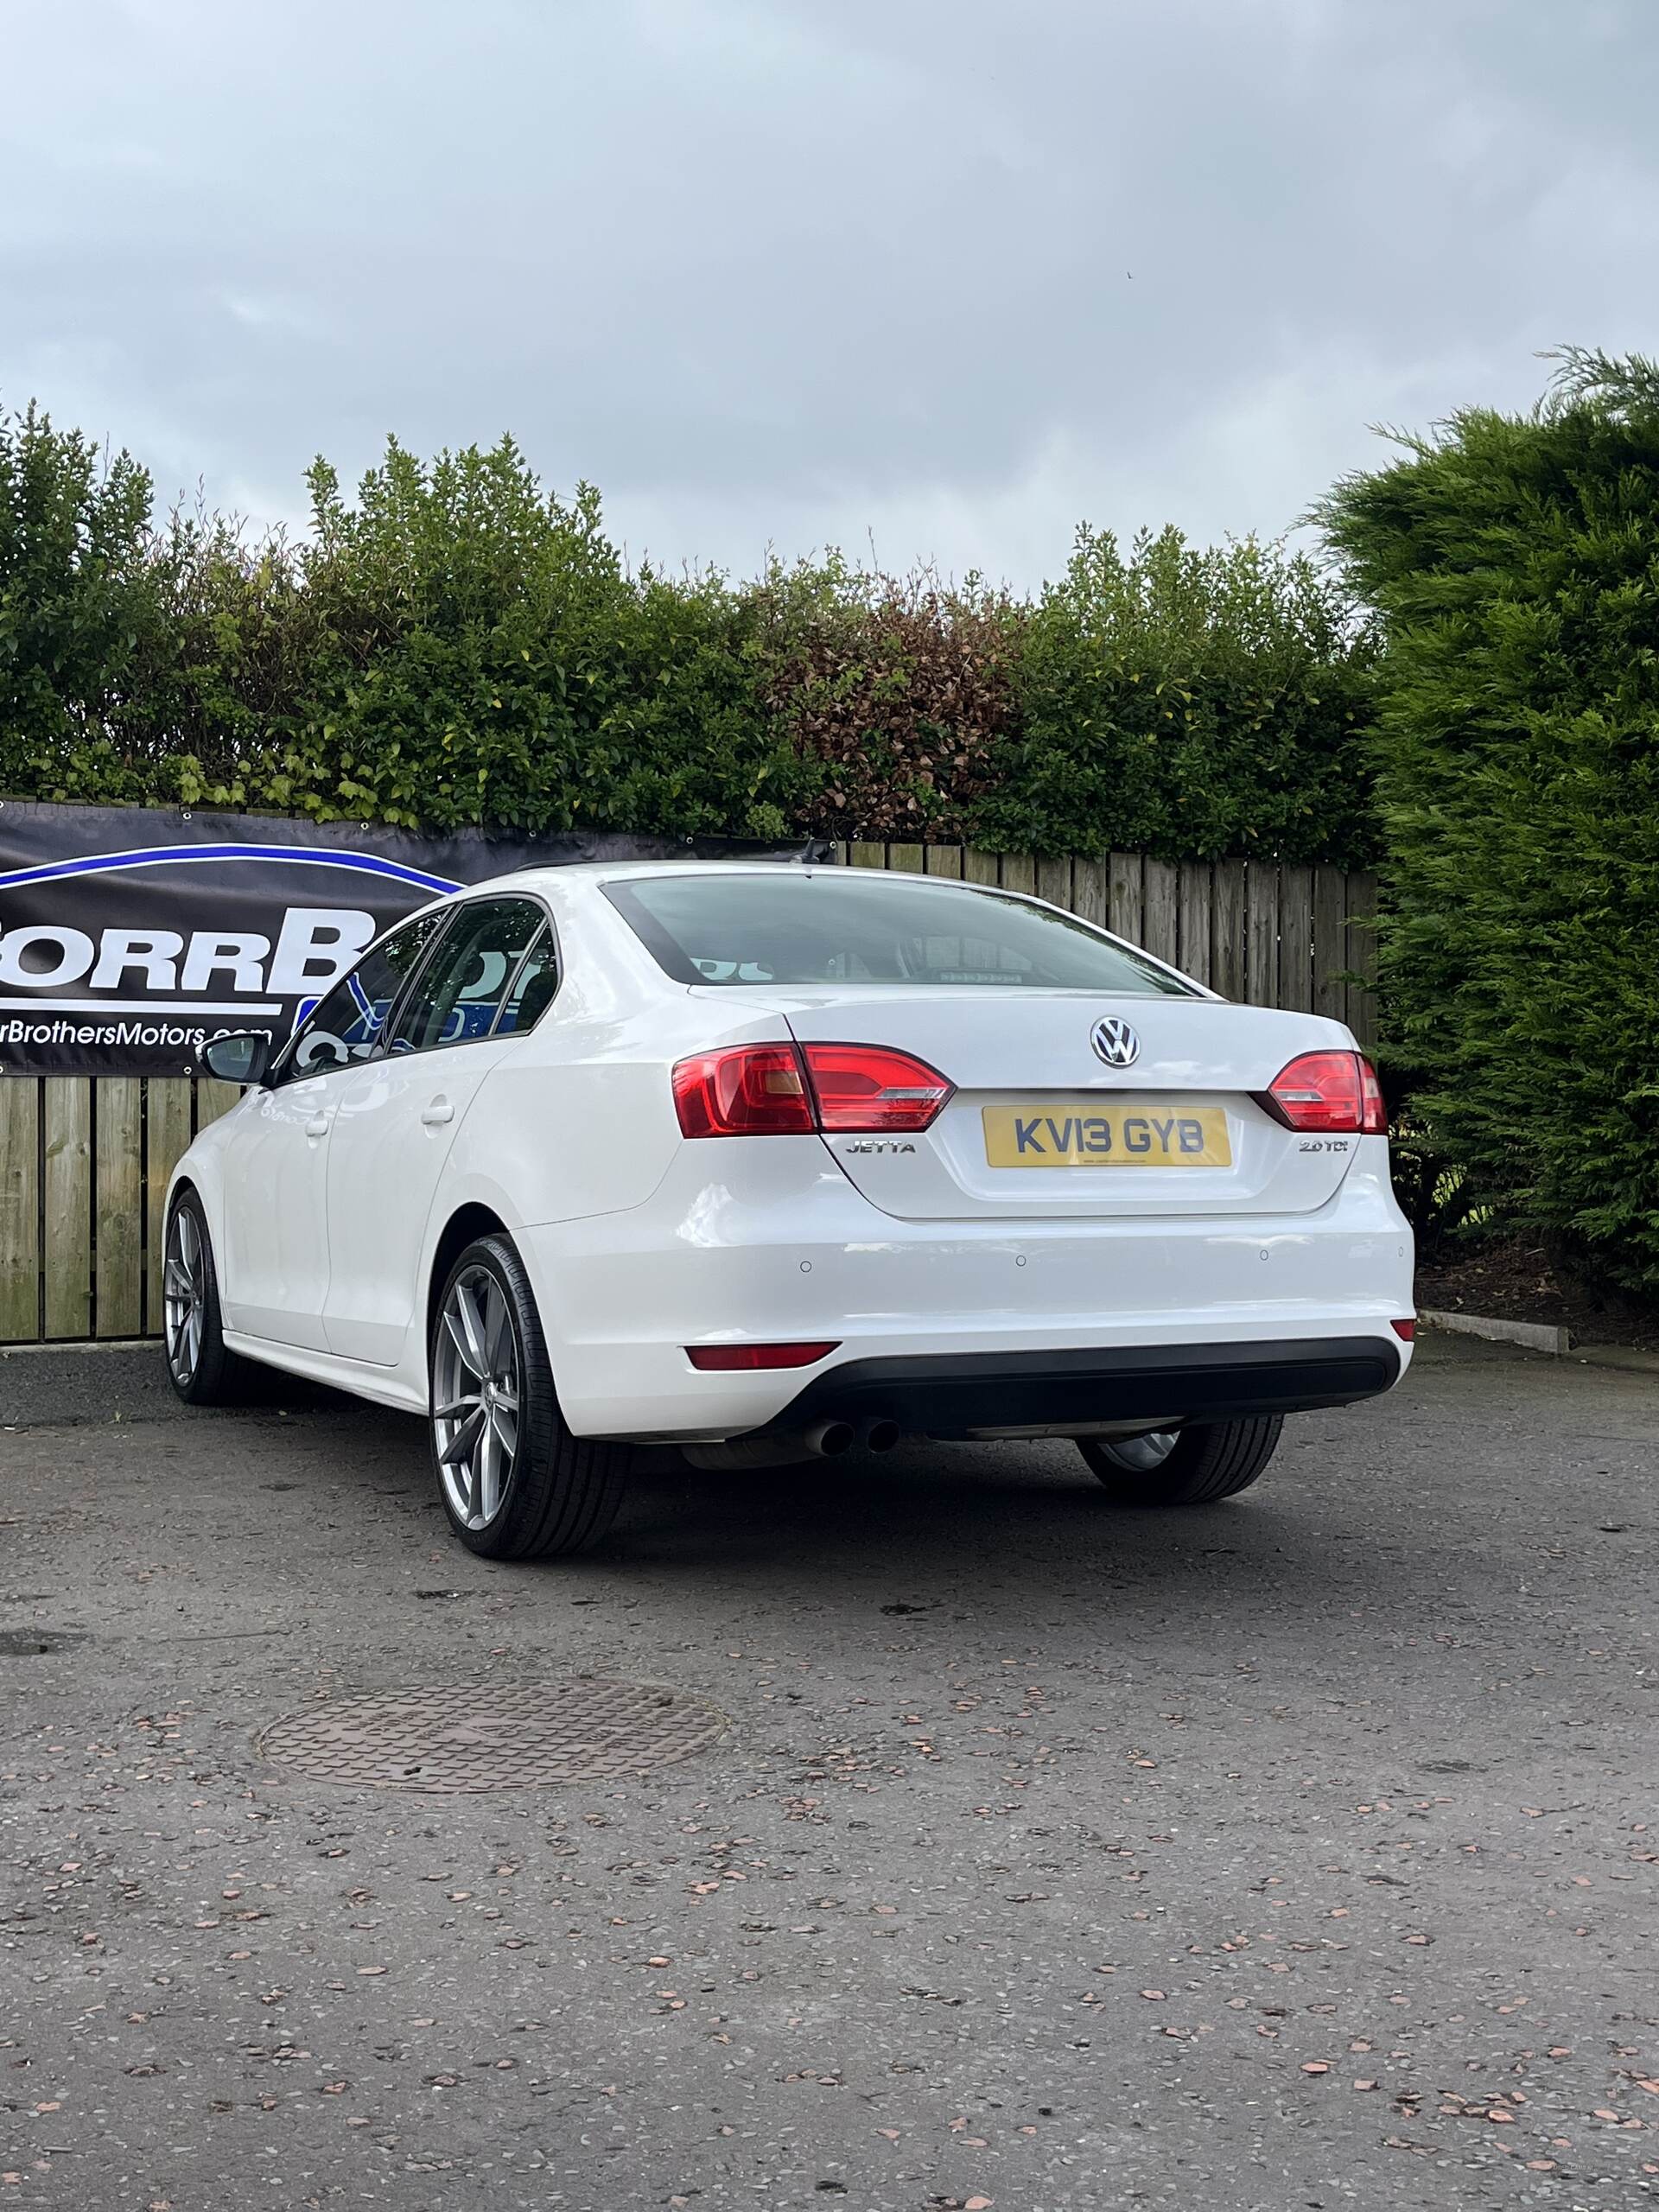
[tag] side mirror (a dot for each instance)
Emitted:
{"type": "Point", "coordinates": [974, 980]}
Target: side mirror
{"type": "Point", "coordinates": [241, 1056]}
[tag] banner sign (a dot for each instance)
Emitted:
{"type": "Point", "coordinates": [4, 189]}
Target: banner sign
{"type": "Point", "coordinates": [127, 934]}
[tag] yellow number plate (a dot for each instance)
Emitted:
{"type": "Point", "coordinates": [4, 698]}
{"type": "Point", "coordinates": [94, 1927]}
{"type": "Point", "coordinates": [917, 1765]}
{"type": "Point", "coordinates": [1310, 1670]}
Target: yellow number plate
{"type": "Point", "coordinates": [1107, 1136]}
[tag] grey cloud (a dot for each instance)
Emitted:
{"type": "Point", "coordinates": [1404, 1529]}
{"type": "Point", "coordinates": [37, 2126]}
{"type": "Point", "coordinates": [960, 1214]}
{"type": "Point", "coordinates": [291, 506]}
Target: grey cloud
{"type": "Point", "coordinates": [959, 271]}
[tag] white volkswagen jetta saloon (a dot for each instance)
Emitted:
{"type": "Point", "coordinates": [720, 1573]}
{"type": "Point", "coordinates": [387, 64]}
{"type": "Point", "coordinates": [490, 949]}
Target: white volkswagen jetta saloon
{"type": "Point", "coordinates": [765, 1161]}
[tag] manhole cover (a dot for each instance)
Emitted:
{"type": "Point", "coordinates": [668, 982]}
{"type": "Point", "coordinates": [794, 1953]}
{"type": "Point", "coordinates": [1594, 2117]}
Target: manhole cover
{"type": "Point", "coordinates": [507, 1736]}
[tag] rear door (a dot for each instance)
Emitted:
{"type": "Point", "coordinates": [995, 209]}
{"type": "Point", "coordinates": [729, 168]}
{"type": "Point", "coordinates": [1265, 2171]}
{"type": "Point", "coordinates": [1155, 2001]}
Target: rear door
{"type": "Point", "coordinates": [1040, 1125]}
{"type": "Point", "coordinates": [397, 1117]}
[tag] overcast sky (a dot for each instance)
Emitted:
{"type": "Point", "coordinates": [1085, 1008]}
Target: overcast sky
{"type": "Point", "coordinates": [952, 274]}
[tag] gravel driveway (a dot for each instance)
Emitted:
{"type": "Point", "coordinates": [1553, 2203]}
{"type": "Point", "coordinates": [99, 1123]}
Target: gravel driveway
{"type": "Point", "coordinates": [1297, 1852]}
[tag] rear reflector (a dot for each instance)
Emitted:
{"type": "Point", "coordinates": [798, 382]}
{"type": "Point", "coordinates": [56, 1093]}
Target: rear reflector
{"type": "Point", "coordinates": [1334, 1092]}
{"type": "Point", "coordinates": [1405, 1331]}
{"type": "Point", "coordinates": [730, 1359]}
{"type": "Point", "coordinates": [766, 1091]}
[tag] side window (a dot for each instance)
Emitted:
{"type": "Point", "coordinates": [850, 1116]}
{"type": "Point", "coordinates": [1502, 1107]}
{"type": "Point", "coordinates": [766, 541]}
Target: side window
{"type": "Point", "coordinates": [532, 991]}
{"type": "Point", "coordinates": [461, 989]}
{"type": "Point", "coordinates": [346, 1025]}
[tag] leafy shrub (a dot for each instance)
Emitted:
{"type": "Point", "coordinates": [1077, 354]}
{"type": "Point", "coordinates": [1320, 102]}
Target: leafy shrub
{"type": "Point", "coordinates": [901, 687]}
{"type": "Point", "coordinates": [1187, 703]}
{"type": "Point", "coordinates": [1438, 1195]}
{"type": "Point", "coordinates": [455, 646]}
{"type": "Point", "coordinates": [78, 603]}
{"type": "Point", "coordinates": [481, 656]}
{"type": "Point", "coordinates": [1515, 565]}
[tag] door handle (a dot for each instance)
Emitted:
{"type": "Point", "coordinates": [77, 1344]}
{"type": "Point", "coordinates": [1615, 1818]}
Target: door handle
{"type": "Point", "coordinates": [437, 1113]}
{"type": "Point", "coordinates": [317, 1126]}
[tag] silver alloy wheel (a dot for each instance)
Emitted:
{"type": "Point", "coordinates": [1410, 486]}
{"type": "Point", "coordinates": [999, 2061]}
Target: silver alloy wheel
{"type": "Point", "coordinates": [1138, 1455]}
{"type": "Point", "coordinates": [184, 1295]}
{"type": "Point", "coordinates": [475, 1373]}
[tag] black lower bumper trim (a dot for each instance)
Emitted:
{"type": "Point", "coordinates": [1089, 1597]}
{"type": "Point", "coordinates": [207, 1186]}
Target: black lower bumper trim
{"type": "Point", "coordinates": [948, 1395]}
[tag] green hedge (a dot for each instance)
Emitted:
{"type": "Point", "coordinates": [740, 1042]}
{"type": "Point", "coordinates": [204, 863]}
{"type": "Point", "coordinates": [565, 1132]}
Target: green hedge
{"type": "Point", "coordinates": [454, 645]}
{"type": "Point", "coordinates": [1516, 561]}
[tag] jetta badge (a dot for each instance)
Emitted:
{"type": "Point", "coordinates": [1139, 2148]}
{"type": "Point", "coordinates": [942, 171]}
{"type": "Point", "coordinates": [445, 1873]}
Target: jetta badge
{"type": "Point", "coordinates": [1116, 1042]}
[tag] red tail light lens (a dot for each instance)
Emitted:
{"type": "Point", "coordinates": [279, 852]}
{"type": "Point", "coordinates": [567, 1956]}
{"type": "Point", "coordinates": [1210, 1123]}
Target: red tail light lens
{"type": "Point", "coordinates": [1335, 1092]}
{"type": "Point", "coordinates": [768, 1090]}
{"type": "Point", "coordinates": [1405, 1331]}
{"type": "Point", "coordinates": [1373, 1113]}
{"type": "Point", "coordinates": [752, 1090]}
{"type": "Point", "coordinates": [868, 1087]}
{"type": "Point", "coordinates": [735, 1359]}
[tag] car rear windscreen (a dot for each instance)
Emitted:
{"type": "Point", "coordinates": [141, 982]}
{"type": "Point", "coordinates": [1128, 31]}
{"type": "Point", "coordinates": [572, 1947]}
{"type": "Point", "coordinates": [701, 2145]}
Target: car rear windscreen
{"type": "Point", "coordinates": [811, 926]}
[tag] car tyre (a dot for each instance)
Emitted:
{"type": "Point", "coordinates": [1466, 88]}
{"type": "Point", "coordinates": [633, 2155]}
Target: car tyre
{"type": "Point", "coordinates": [514, 1482]}
{"type": "Point", "coordinates": [1195, 1465]}
{"type": "Point", "coordinates": [199, 1367]}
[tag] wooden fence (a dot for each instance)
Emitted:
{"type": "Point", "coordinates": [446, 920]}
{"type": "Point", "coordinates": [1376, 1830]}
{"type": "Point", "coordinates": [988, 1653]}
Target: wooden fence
{"type": "Point", "coordinates": [84, 1162]}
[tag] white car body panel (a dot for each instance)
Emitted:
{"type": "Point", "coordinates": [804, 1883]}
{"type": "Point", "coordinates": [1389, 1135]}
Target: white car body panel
{"type": "Point", "coordinates": [1198, 1050]}
{"type": "Point", "coordinates": [394, 1125]}
{"type": "Point", "coordinates": [274, 1243]}
{"type": "Point", "coordinates": [639, 1242]}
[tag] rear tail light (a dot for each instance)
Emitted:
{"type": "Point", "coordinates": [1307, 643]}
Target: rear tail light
{"type": "Point", "coordinates": [732, 1359]}
{"type": "Point", "coordinates": [1405, 1331]}
{"type": "Point", "coordinates": [867, 1087]}
{"type": "Point", "coordinates": [1335, 1092]}
{"type": "Point", "coordinates": [754, 1091]}
{"type": "Point", "coordinates": [761, 1090]}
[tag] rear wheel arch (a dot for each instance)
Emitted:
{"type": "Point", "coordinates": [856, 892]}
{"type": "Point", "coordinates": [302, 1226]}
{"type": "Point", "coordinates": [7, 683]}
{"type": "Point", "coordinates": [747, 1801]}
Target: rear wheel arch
{"type": "Point", "coordinates": [464, 1227]}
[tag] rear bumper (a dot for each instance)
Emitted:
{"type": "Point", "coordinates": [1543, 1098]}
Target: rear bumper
{"type": "Point", "coordinates": [951, 1394]}
{"type": "Point", "coordinates": [764, 1239]}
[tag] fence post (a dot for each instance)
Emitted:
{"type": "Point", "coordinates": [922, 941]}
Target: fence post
{"type": "Point", "coordinates": [119, 1184]}
{"type": "Point", "coordinates": [1329, 947]}
{"type": "Point", "coordinates": [1195, 902]}
{"type": "Point", "coordinates": [68, 1208]}
{"type": "Point", "coordinates": [1054, 882]}
{"type": "Point", "coordinates": [214, 1098]}
{"type": "Point", "coordinates": [1160, 926]}
{"type": "Point", "coordinates": [167, 1138]}
{"type": "Point", "coordinates": [1090, 890]}
{"type": "Point", "coordinates": [1296, 938]}
{"type": "Point", "coordinates": [1127, 895]}
{"type": "Point", "coordinates": [20, 1209]}
{"type": "Point", "coordinates": [1261, 933]}
{"type": "Point", "coordinates": [1362, 956]}
{"type": "Point", "coordinates": [1227, 930]}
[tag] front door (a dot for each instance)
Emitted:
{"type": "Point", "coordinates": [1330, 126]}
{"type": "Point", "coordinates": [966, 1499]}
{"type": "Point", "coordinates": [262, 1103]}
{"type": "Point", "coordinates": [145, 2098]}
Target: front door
{"type": "Point", "coordinates": [275, 1275]}
{"type": "Point", "coordinates": [398, 1118]}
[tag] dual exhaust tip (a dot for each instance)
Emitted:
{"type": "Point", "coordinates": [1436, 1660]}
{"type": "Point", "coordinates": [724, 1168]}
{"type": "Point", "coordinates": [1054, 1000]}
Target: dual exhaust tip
{"type": "Point", "coordinates": [831, 1438]}
{"type": "Point", "coordinates": [825, 1439]}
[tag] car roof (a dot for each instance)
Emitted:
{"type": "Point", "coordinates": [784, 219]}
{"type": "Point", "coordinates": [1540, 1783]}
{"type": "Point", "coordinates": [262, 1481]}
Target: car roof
{"type": "Point", "coordinates": [591, 875]}
{"type": "Point", "coordinates": [634, 871]}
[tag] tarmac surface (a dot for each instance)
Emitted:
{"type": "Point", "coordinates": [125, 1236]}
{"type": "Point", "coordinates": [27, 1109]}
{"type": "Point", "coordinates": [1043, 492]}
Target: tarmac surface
{"type": "Point", "coordinates": [1302, 1851]}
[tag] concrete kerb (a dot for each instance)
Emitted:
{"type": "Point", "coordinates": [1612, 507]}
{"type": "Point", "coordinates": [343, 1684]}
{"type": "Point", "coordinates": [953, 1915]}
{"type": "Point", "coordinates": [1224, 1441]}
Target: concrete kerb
{"type": "Point", "coordinates": [1542, 1337]}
